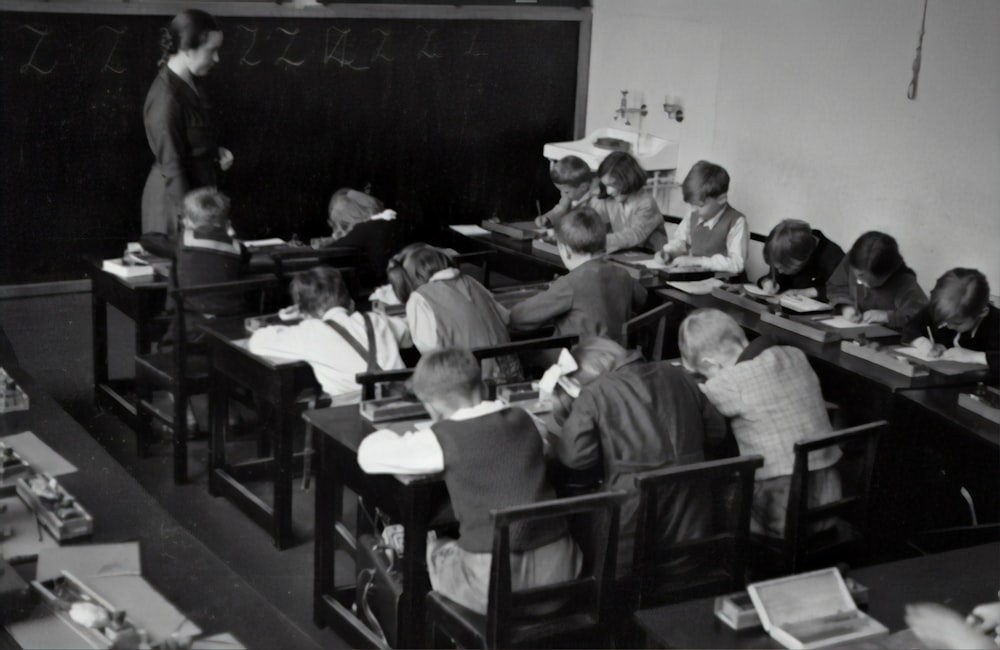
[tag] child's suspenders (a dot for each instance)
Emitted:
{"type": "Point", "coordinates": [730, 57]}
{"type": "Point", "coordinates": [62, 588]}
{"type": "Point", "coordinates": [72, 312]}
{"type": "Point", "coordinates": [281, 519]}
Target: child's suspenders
{"type": "Point", "coordinates": [368, 355]}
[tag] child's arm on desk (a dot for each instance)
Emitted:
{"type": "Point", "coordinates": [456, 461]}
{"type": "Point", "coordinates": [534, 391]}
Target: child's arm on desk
{"type": "Point", "coordinates": [414, 452]}
{"type": "Point", "coordinates": [542, 308]}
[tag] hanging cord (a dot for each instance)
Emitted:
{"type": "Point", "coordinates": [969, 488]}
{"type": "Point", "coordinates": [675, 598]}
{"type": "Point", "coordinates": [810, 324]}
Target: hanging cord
{"type": "Point", "coordinates": [911, 92]}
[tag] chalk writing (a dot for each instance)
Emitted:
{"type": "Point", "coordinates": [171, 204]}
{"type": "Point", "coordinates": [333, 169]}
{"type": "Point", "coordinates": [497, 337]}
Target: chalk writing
{"type": "Point", "coordinates": [338, 52]}
{"type": "Point", "coordinates": [473, 50]}
{"type": "Point", "coordinates": [425, 51]}
{"type": "Point", "coordinates": [31, 65]}
{"type": "Point", "coordinates": [108, 65]}
{"type": "Point", "coordinates": [252, 31]}
{"type": "Point", "coordinates": [385, 34]}
{"type": "Point", "coordinates": [291, 34]}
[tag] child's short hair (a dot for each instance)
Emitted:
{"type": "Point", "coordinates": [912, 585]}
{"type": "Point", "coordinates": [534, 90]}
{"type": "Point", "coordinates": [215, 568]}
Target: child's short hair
{"type": "Point", "coordinates": [705, 181]}
{"type": "Point", "coordinates": [319, 289]}
{"type": "Point", "coordinates": [595, 356]}
{"type": "Point", "coordinates": [705, 331]}
{"type": "Point", "coordinates": [571, 170]}
{"type": "Point", "coordinates": [583, 231]}
{"type": "Point", "coordinates": [450, 376]}
{"type": "Point", "coordinates": [206, 206]}
{"type": "Point", "coordinates": [628, 173]}
{"type": "Point", "coordinates": [875, 253]}
{"type": "Point", "coordinates": [413, 267]}
{"type": "Point", "coordinates": [350, 207]}
{"type": "Point", "coordinates": [959, 294]}
{"type": "Point", "coordinates": [790, 243]}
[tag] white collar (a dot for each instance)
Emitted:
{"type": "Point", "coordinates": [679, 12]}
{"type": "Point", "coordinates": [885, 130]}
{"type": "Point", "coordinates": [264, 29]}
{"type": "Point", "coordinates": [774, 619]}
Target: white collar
{"type": "Point", "coordinates": [483, 408]}
{"type": "Point", "coordinates": [714, 220]}
{"type": "Point", "coordinates": [333, 311]}
{"type": "Point", "coordinates": [445, 274]}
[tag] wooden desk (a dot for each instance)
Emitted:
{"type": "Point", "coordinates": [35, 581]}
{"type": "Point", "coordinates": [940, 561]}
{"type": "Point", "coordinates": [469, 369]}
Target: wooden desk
{"type": "Point", "coordinates": [959, 579]}
{"type": "Point", "coordinates": [275, 384]}
{"type": "Point", "coordinates": [409, 500]}
{"type": "Point", "coordinates": [183, 569]}
{"type": "Point", "coordinates": [515, 257]}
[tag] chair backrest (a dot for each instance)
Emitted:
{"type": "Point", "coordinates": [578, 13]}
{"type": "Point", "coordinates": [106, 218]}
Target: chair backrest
{"type": "Point", "coordinates": [482, 259]}
{"type": "Point", "coordinates": [513, 617]}
{"type": "Point", "coordinates": [647, 331]}
{"type": "Point", "coordinates": [858, 445]}
{"type": "Point", "coordinates": [369, 380]}
{"type": "Point", "coordinates": [708, 565]}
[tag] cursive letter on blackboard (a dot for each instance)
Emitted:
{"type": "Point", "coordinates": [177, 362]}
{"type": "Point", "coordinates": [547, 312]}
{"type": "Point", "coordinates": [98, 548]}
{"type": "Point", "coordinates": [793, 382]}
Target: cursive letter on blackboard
{"type": "Point", "coordinates": [425, 51]}
{"type": "Point", "coordinates": [338, 52]}
{"type": "Point", "coordinates": [118, 37]}
{"type": "Point", "coordinates": [385, 34]}
{"type": "Point", "coordinates": [253, 41]}
{"type": "Point", "coordinates": [473, 51]}
{"type": "Point", "coordinates": [30, 65]}
{"type": "Point", "coordinates": [291, 33]}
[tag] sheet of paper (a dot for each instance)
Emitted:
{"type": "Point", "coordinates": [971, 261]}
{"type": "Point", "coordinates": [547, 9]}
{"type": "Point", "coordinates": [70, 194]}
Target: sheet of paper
{"type": "Point", "coordinates": [697, 287]}
{"type": "Point", "coordinates": [803, 304]}
{"type": "Point", "coordinates": [652, 263]}
{"type": "Point", "coordinates": [470, 230]}
{"type": "Point", "coordinates": [39, 455]}
{"type": "Point", "coordinates": [840, 322]}
{"type": "Point", "coordinates": [916, 354]}
{"type": "Point", "coordinates": [88, 561]}
{"type": "Point", "coordinates": [754, 290]}
{"type": "Point", "coordinates": [943, 366]}
{"type": "Point", "coordinates": [220, 641]}
{"type": "Point", "coordinates": [264, 243]}
{"type": "Point", "coordinates": [24, 543]}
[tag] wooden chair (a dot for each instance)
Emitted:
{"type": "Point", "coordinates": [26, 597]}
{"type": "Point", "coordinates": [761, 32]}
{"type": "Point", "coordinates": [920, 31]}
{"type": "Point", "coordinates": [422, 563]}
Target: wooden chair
{"type": "Point", "coordinates": [803, 547]}
{"type": "Point", "coordinates": [180, 371]}
{"type": "Point", "coordinates": [717, 561]}
{"type": "Point", "coordinates": [481, 259]}
{"type": "Point", "coordinates": [577, 611]}
{"type": "Point", "coordinates": [370, 380]}
{"type": "Point", "coordinates": [647, 331]}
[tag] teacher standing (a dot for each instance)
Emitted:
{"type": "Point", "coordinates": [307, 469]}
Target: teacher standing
{"type": "Point", "coordinates": [178, 120]}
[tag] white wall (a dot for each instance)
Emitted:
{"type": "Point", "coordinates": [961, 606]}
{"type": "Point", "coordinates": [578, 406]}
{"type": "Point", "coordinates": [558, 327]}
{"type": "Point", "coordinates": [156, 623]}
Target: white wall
{"type": "Point", "coordinates": [804, 102]}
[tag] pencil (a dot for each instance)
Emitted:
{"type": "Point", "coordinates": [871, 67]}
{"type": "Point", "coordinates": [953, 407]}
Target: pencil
{"type": "Point", "coordinates": [538, 207]}
{"type": "Point", "coordinates": [930, 335]}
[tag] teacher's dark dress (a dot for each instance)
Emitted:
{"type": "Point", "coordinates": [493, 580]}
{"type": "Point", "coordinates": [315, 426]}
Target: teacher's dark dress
{"type": "Point", "coordinates": [185, 144]}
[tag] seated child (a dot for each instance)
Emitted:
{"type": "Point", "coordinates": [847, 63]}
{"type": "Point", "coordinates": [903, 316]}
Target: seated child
{"type": "Point", "coordinates": [577, 185]}
{"type": "Point", "coordinates": [937, 626]}
{"type": "Point", "coordinates": [959, 324]}
{"type": "Point", "coordinates": [630, 211]}
{"type": "Point", "coordinates": [596, 297]}
{"type": "Point", "coordinates": [874, 285]}
{"type": "Point", "coordinates": [715, 235]}
{"type": "Point", "coordinates": [774, 399]}
{"type": "Point", "coordinates": [337, 341]}
{"type": "Point", "coordinates": [632, 416]}
{"type": "Point", "coordinates": [361, 221]}
{"type": "Point", "coordinates": [207, 252]}
{"type": "Point", "coordinates": [801, 260]}
{"type": "Point", "coordinates": [491, 455]}
{"type": "Point", "coordinates": [447, 309]}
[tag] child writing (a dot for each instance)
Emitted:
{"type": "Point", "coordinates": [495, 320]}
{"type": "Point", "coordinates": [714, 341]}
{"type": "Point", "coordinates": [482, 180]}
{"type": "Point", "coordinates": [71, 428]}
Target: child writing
{"type": "Point", "coordinates": [577, 185]}
{"type": "Point", "coordinates": [491, 456]}
{"type": "Point", "coordinates": [774, 399]}
{"type": "Point", "coordinates": [801, 259]}
{"type": "Point", "coordinates": [447, 309]}
{"type": "Point", "coordinates": [630, 210]}
{"type": "Point", "coordinates": [874, 285]}
{"type": "Point", "coordinates": [337, 341]}
{"type": "Point", "coordinates": [959, 324]}
{"type": "Point", "coordinates": [596, 297]}
{"type": "Point", "coordinates": [361, 221]}
{"type": "Point", "coordinates": [629, 416]}
{"type": "Point", "coordinates": [715, 235]}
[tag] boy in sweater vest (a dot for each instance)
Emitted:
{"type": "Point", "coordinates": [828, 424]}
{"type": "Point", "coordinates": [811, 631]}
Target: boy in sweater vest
{"type": "Point", "coordinates": [491, 456]}
{"type": "Point", "coordinates": [595, 298]}
{"type": "Point", "coordinates": [714, 236]}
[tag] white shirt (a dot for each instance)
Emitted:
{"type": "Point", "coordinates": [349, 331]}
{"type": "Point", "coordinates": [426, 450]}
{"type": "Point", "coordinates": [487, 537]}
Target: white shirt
{"type": "Point", "coordinates": [414, 452]}
{"type": "Point", "coordinates": [737, 240]}
{"type": "Point", "coordinates": [421, 319]}
{"type": "Point", "coordinates": [334, 361]}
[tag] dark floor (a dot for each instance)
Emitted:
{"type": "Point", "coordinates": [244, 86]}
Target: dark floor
{"type": "Point", "coordinates": [52, 338]}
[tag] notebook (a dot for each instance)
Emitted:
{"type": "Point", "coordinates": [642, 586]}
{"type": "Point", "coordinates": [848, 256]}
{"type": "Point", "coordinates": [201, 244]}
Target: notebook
{"type": "Point", "coordinates": [812, 610]}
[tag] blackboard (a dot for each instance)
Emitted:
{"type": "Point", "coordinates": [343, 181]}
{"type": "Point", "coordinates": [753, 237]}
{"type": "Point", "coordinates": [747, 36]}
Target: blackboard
{"type": "Point", "coordinates": [445, 120]}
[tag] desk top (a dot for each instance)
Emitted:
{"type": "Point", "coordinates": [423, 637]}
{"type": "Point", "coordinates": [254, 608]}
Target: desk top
{"type": "Point", "coordinates": [175, 562]}
{"type": "Point", "coordinates": [232, 333]}
{"type": "Point", "coordinates": [960, 579]}
{"type": "Point", "coordinates": [943, 402]}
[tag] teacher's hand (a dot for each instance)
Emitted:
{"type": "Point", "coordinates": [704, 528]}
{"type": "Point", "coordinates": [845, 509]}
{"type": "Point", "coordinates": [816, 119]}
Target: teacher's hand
{"type": "Point", "coordinates": [225, 159]}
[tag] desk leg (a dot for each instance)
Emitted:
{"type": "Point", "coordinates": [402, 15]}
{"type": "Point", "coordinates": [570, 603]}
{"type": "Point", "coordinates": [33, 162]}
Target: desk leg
{"type": "Point", "coordinates": [329, 508]}
{"type": "Point", "coordinates": [99, 334]}
{"type": "Point", "coordinates": [284, 469]}
{"type": "Point", "coordinates": [416, 583]}
{"type": "Point", "coordinates": [218, 422]}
